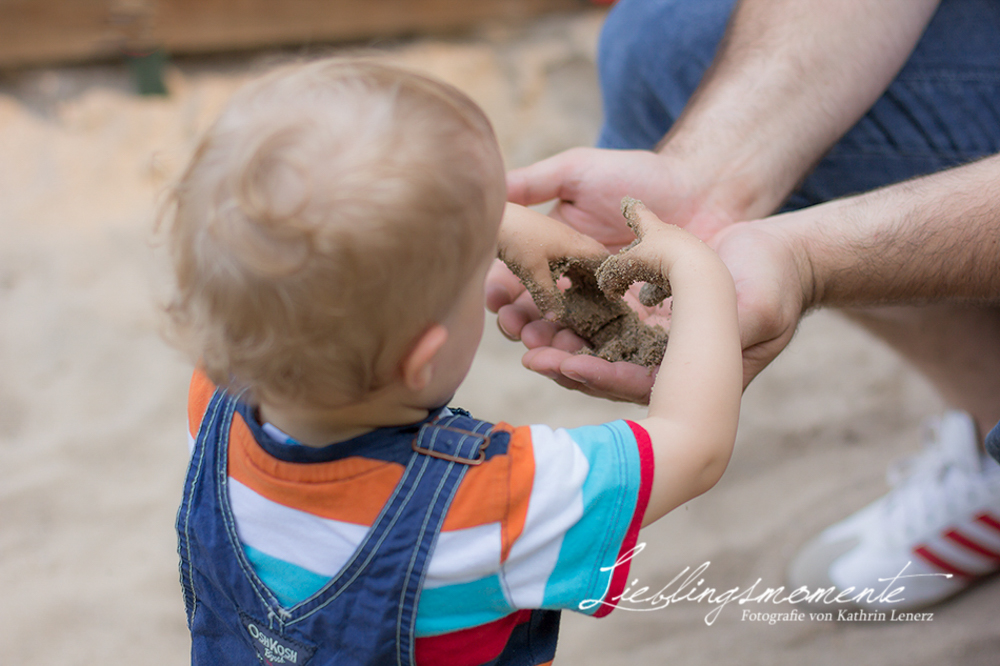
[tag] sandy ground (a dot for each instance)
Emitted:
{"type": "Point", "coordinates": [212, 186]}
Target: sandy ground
{"type": "Point", "coordinates": [92, 448]}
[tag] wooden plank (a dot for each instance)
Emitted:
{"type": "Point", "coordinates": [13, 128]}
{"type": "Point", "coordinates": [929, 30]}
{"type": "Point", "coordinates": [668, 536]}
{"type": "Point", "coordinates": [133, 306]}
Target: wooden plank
{"type": "Point", "coordinates": [47, 31]}
{"type": "Point", "coordinates": [44, 30]}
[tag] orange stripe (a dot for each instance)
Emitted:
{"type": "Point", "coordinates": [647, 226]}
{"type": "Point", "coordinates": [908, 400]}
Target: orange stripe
{"type": "Point", "coordinates": [352, 490]}
{"type": "Point", "coordinates": [199, 395]}
{"type": "Point", "coordinates": [482, 497]}
{"type": "Point", "coordinates": [522, 477]}
{"type": "Point", "coordinates": [497, 491]}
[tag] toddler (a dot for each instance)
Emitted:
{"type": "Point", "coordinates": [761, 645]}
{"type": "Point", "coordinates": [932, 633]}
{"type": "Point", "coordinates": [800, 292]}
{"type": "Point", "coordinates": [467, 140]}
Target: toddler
{"type": "Point", "coordinates": [330, 242]}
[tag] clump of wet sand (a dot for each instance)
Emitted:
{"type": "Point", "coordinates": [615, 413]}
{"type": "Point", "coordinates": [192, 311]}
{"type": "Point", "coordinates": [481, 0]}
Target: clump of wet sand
{"type": "Point", "coordinates": [593, 308]}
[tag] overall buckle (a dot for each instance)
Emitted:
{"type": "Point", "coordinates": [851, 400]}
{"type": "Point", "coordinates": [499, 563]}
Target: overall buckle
{"type": "Point", "coordinates": [472, 462]}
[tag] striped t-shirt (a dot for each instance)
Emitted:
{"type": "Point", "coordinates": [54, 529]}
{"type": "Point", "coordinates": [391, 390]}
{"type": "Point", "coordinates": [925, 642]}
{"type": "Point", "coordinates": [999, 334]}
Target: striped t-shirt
{"type": "Point", "coordinates": [540, 524]}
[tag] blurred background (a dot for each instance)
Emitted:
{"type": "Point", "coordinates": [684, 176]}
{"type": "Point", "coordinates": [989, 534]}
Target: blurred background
{"type": "Point", "coordinates": [101, 103]}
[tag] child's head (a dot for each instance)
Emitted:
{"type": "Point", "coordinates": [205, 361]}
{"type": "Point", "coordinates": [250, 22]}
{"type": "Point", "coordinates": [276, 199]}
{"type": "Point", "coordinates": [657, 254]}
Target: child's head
{"type": "Point", "coordinates": [333, 213]}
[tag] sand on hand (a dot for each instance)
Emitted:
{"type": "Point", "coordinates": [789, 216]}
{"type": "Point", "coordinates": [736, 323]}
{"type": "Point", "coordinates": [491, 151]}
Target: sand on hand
{"type": "Point", "coordinates": [592, 305]}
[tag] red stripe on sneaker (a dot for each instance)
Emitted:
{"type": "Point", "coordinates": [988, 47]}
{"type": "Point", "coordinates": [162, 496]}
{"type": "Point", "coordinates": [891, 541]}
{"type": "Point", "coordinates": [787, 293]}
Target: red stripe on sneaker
{"type": "Point", "coordinates": [987, 519]}
{"type": "Point", "coordinates": [968, 543]}
{"type": "Point", "coordinates": [943, 565]}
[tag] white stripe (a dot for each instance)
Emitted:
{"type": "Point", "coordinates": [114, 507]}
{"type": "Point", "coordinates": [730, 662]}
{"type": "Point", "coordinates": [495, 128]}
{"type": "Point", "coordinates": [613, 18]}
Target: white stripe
{"type": "Point", "coordinates": [462, 556]}
{"type": "Point", "coordinates": [323, 545]}
{"type": "Point", "coordinates": [961, 557]}
{"type": "Point", "coordinates": [982, 534]}
{"type": "Point", "coordinates": [556, 505]}
{"type": "Point", "coordinates": [320, 545]}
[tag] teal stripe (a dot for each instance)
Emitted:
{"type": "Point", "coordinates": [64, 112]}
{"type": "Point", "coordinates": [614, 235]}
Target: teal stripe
{"type": "Point", "coordinates": [454, 607]}
{"type": "Point", "coordinates": [291, 584]}
{"type": "Point", "coordinates": [610, 493]}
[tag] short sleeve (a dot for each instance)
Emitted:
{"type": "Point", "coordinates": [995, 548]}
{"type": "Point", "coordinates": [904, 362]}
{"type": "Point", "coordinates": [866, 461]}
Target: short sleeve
{"type": "Point", "coordinates": [588, 496]}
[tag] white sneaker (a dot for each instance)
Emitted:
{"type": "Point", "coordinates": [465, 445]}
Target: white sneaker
{"type": "Point", "coordinates": [938, 529]}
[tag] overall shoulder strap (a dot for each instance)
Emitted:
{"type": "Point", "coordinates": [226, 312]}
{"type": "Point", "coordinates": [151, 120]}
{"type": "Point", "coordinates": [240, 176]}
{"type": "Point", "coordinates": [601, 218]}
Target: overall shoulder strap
{"type": "Point", "coordinates": [456, 438]}
{"type": "Point", "coordinates": [451, 445]}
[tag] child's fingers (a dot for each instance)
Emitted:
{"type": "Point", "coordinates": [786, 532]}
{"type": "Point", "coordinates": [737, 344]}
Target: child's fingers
{"type": "Point", "coordinates": [588, 250]}
{"type": "Point", "coordinates": [645, 223]}
{"type": "Point", "coordinates": [653, 294]}
{"type": "Point", "coordinates": [634, 264]}
{"type": "Point", "coordinates": [639, 262]}
{"type": "Point", "coordinates": [619, 272]}
{"type": "Point", "coordinates": [639, 218]}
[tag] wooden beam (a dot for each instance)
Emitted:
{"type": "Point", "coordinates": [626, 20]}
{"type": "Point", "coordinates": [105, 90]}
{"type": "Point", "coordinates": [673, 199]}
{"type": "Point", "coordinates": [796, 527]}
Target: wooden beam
{"type": "Point", "coordinates": [48, 31]}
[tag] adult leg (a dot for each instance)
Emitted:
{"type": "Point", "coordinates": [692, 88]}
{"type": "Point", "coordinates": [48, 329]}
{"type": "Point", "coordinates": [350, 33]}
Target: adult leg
{"type": "Point", "coordinates": [942, 110]}
{"type": "Point", "coordinates": [942, 517]}
{"type": "Point", "coordinates": [651, 56]}
{"type": "Point", "coordinates": [957, 347]}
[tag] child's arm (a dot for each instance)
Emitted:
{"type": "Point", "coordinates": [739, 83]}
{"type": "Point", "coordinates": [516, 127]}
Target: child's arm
{"type": "Point", "coordinates": [695, 403]}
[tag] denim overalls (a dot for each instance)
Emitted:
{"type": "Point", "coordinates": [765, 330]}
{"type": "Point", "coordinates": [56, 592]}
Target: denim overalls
{"type": "Point", "coordinates": [366, 614]}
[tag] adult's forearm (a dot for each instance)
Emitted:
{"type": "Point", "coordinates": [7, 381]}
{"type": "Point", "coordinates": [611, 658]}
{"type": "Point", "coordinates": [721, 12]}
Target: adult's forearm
{"type": "Point", "coordinates": [790, 78]}
{"type": "Point", "coordinates": [929, 239]}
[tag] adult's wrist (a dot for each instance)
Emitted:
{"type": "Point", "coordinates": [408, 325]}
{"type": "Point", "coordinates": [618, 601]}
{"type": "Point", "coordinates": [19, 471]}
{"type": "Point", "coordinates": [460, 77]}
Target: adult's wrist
{"type": "Point", "coordinates": [738, 184]}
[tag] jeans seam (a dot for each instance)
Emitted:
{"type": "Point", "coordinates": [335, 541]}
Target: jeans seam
{"type": "Point", "coordinates": [200, 452]}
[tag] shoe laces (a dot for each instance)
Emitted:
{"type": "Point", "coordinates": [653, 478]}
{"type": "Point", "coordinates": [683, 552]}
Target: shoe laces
{"type": "Point", "coordinates": [937, 486]}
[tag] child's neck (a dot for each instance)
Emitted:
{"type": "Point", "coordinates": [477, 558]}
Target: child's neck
{"type": "Point", "coordinates": [330, 426]}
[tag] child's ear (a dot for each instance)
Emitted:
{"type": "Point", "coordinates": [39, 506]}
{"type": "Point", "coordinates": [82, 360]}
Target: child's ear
{"type": "Point", "coordinates": [417, 366]}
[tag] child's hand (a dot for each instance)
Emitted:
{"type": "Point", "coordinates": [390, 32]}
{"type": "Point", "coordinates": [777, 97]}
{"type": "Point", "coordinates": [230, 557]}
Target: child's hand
{"type": "Point", "coordinates": [650, 258]}
{"type": "Point", "coordinates": [530, 242]}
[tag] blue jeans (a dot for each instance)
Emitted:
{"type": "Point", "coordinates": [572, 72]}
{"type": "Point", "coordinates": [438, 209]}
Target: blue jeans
{"type": "Point", "coordinates": [943, 109]}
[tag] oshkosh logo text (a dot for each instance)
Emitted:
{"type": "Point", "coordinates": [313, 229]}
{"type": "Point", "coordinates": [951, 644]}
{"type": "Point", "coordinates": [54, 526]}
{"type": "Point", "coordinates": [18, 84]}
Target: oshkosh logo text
{"type": "Point", "coordinates": [274, 651]}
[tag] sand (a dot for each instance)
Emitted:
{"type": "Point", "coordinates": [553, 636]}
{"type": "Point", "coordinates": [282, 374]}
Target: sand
{"type": "Point", "coordinates": [92, 445]}
{"type": "Point", "coordinates": [612, 330]}
{"type": "Point", "coordinates": [589, 300]}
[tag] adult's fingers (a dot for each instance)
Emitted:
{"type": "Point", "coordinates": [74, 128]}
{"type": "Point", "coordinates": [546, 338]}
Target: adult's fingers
{"type": "Point", "coordinates": [619, 381]}
{"type": "Point", "coordinates": [511, 319]}
{"type": "Point", "coordinates": [765, 329]}
{"type": "Point", "coordinates": [502, 287]}
{"type": "Point", "coordinates": [626, 382]}
{"type": "Point", "coordinates": [539, 182]}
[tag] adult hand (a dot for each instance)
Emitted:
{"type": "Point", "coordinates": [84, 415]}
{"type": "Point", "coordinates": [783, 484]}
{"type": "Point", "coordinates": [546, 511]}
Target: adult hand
{"type": "Point", "coordinates": [587, 185]}
{"type": "Point", "coordinates": [772, 281]}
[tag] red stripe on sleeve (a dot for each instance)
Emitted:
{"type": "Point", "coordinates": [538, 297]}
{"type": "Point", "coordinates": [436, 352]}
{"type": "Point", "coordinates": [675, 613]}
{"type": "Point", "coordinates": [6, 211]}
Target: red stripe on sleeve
{"type": "Point", "coordinates": [619, 576]}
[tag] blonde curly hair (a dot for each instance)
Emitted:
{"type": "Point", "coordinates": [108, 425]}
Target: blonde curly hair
{"type": "Point", "coordinates": [332, 213]}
